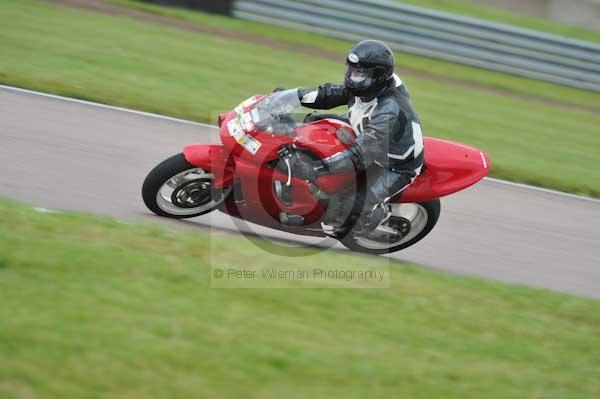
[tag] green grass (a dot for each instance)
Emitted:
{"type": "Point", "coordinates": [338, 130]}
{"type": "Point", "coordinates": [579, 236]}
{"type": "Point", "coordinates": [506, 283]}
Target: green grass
{"type": "Point", "coordinates": [469, 9]}
{"type": "Point", "coordinates": [407, 63]}
{"type": "Point", "coordinates": [95, 308]}
{"type": "Point", "coordinates": [153, 68]}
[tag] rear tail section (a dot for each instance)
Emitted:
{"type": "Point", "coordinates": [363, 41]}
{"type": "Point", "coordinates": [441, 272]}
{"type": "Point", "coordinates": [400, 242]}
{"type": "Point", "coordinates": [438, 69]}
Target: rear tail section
{"type": "Point", "coordinates": [449, 167]}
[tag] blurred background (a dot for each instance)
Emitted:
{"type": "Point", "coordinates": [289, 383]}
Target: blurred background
{"type": "Point", "coordinates": [106, 303]}
{"type": "Point", "coordinates": [584, 13]}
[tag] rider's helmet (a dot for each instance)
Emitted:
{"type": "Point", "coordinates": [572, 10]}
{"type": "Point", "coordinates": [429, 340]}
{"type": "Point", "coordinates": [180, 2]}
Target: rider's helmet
{"type": "Point", "coordinates": [370, 66]}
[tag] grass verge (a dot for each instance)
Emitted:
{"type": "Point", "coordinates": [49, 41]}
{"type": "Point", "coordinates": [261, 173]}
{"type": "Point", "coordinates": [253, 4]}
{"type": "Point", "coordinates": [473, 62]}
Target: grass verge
{"type": "Point", "coordinates": [154, 68]}
{"type": "Point", "coordinates": [92, 307]}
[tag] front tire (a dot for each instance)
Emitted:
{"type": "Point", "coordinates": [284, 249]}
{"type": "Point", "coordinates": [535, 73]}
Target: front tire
{"type": "Point", "coordinates": [414, 221]}
{"type": "Point", "coordinates": [177, 189]}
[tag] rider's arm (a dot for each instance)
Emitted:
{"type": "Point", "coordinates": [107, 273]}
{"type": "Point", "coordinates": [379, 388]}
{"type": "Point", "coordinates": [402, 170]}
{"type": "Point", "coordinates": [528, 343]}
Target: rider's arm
{"type": "Point", "coordinates": [370, 146]}
{"type": "Point", "coordinates": [326, 96]}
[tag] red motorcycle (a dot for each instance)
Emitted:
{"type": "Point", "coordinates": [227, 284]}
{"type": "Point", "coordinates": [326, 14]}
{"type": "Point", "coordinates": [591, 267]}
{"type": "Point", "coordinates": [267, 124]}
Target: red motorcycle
{"type": "Point", "coordinates": [248, 177]}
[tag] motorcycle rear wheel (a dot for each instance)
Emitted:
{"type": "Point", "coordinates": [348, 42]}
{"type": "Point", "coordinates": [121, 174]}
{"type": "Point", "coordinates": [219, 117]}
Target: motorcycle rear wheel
{"type": "Point", "coordinates": [415, 221]}
{"type": "Point", "coordinates": [177, 189]}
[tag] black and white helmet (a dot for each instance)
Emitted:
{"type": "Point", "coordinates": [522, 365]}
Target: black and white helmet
{"type": "Point", "coordinates": [370, 66]}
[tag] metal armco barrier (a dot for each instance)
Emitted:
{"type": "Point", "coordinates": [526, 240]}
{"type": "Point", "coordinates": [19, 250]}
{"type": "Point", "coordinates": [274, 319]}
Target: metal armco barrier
{"type": "Point", "coordinates": [439, 35]}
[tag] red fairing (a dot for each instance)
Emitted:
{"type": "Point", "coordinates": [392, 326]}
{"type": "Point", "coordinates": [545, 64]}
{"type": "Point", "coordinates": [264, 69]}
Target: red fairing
{"type": "Point", "coordinates": [222, 118]}
{"type": "Point", "coordinates": [213, 158]}
{"type": "Point", "coordinates": [260, 204]}
{"type": "Point", "coordinates": [449, 167]}
{"type": "Point", "coordinates": [321, 137]}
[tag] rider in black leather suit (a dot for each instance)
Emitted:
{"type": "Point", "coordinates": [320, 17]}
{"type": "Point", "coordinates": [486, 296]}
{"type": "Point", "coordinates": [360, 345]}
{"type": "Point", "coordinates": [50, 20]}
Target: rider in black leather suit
{"type": "Point", "coordinates": [389, 149]}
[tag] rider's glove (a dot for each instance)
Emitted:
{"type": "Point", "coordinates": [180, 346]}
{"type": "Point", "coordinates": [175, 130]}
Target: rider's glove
{"type": "Point", "coordinates": [306, 169]}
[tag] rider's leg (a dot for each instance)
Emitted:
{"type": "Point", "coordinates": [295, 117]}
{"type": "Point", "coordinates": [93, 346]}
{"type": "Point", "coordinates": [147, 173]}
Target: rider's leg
{"type": "Point", "coordinates": [381, 187]}
{"type": "Point", "coordinates": [339, 207]}
{"type": "Point", "coordinates": [349, 205]}
{"type": "Point", "coordinates": [365, 207]}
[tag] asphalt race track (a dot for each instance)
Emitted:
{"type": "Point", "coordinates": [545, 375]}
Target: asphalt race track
{"type": "Point", "coordinates": [74, 156]}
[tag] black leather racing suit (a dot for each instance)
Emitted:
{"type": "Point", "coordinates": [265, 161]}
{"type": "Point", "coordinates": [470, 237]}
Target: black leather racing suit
{"type": "Point", "coordinates": [389, 150]}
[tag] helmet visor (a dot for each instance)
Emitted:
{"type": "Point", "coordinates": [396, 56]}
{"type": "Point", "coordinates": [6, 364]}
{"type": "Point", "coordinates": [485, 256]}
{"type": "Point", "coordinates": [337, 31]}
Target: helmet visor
{"type": "Point", "coordinates": [357, 76]}
{"type": "Point", "coordinates": [360, 77]}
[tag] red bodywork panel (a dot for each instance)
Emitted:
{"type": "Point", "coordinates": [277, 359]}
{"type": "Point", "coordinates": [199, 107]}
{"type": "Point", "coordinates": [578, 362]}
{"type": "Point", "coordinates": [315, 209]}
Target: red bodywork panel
{"type": "Point", "coordinates": [321, 137]}
{"type": "Point", "coordinates": [449, 167]}
{"type": "Point", "coordinates": [213, 158]}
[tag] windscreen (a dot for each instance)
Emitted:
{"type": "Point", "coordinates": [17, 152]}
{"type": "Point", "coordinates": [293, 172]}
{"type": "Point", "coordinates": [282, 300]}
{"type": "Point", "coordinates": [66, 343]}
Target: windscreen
{"type": "Point", "coordinates": [276, 112]}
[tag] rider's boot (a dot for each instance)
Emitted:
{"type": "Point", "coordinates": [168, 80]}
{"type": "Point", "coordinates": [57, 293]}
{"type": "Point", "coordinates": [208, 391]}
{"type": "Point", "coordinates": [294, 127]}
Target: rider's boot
{"type": "Point", "coordinates": [370, 220]}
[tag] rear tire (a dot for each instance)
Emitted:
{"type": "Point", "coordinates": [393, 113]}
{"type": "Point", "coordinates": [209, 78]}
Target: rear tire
{"type": "Point", "coordinates": [361, 244]}
{"type": "Point", "coordinates": [177, 189]}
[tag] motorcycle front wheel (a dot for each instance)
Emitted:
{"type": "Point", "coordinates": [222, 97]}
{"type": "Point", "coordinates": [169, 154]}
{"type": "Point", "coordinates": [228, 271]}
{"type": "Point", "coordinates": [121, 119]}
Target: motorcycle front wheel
{"type": "Point", "coordinates": [407, 224]}
{"type": "Point", "coordinates": [177, 189]}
